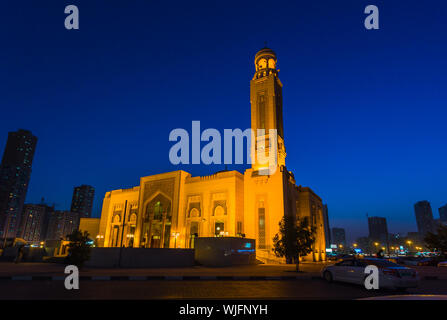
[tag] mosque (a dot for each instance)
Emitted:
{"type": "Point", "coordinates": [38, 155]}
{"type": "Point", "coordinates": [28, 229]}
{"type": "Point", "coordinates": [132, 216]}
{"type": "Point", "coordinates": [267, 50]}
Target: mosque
{"type": "Point", "coordinates": [169, 210]}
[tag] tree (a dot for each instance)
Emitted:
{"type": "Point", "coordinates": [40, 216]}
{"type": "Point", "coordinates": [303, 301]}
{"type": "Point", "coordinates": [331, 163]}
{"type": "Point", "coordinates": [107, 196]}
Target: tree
{"type": "Point", "coordinates": [79, 248]}
{"type": "Point", "coordinates": [437, 242]}
{"type": "Point", "coordinates": [294, 239]}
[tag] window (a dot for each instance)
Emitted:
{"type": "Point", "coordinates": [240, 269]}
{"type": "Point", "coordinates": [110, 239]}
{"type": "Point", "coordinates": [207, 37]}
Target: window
{"type": "Point", "coordinates": [261, 109]}
{"type": "Point", "coordinates": [261, 228]}
{"type": "Point", "coordinates": [345, 263]}
{"type": "Point", "coordinates": [158, 211]}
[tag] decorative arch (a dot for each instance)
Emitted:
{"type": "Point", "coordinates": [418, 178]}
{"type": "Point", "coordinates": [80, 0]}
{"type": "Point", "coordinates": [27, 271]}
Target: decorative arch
{"type": "Point", "coordinates": [194, 213]}
{"type": "Point", "coordinates": [219, 211]}
{"type": "Point", "coordinates": [156, 205]}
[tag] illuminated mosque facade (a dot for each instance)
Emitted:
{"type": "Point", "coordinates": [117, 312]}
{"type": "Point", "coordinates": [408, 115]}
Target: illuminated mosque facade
{"type": "Point", "coordinates": [169, 210]}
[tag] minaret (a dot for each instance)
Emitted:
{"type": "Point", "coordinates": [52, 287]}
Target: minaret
{"type": "Point", "coordinates": [266, 106]}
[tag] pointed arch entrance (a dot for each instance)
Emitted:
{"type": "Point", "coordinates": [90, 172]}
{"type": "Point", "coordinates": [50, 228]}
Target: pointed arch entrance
{"type": "Point", "coordinates": [157, 222]}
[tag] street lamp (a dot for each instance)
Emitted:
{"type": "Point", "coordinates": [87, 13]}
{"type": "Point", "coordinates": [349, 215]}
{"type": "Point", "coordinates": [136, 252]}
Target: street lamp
{"type": "Point", "coordinates": [175, 235]}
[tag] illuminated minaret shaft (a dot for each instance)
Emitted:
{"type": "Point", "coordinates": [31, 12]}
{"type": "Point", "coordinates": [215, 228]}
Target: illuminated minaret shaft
{"type": "Point", "coordinates": [266, 106]}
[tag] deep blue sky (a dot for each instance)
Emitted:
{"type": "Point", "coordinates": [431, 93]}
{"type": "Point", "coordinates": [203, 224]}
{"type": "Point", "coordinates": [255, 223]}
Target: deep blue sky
{"type": "Point", "coordinates": [364, 111]}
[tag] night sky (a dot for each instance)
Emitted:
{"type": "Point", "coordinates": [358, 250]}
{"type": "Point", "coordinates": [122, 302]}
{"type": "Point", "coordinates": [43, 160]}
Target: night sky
{"type": "Point", "coordinates": [364, 111]}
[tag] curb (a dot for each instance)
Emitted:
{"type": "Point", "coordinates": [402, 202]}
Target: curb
{"type": "Point", "coordinates": [154, 278]}
{"type": "Point", "coordinates": [176, 278]}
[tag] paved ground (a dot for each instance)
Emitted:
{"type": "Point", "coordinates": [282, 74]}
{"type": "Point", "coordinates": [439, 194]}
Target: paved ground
{"type": "Point", "coordinates": [307, 286]}
{"type": "Point", "coordinates": [274, 270]}
{"type": "Point", "coordinates": [296, 289]}
{"type": "Point", "coordinates": [50, 269]}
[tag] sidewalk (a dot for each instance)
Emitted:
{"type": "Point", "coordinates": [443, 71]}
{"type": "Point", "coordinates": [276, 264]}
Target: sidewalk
{"type": "Point", "coordinates": [52, 271]}
{"type": "Point", "coordinates": [26, 271]}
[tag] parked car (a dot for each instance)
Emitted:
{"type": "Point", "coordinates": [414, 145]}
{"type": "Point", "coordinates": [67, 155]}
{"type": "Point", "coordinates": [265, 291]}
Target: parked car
{"type": "Point", "coordinates": [391, 275]}
{"type": "Point", "coordinates": [442, 264]}
{"type": "Point", "coordinates": [408, 261]}
{"type": "Point", "coordinates": [433, 261]}
{"type": "Point", "coordinates": [409, 297]}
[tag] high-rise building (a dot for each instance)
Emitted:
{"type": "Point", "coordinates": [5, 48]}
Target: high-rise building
{"type": "Point", "coordinates": [378, 230]}
{"type": "Point", "coordinates": [61, 223]}
{"type": "Point", "coordinates": [82, 201]}
{"type": "Point", "coordinates": [327, 228]}
{"type": "Point", "coordinates": [443, 213]}
{"type": "Point", "coordinates": [34, 222]}
{"type": "Point", "coordinates": [424, 217]}
{"type": "Point", "coordinates": [339, 236]}
{"type": "Point", "coordinates": [15, 173]}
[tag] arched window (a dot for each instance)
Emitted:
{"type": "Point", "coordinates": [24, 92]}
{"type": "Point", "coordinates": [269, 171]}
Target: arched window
{"type": "Point", "coordinates": [194, 213]}
{"type": "Point", "coordinates": [116, 219]}
{"type": "Point", "coordinates": [219, 211]}
{"type": "Point", "coordinates": [133, 219]}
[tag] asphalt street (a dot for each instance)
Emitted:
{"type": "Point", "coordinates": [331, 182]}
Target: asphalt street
{"type": "Point", "coordinates": [201, 289]}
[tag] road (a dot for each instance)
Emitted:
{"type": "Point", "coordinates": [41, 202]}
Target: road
{"type": "Point", "coordinates": [200, 289]}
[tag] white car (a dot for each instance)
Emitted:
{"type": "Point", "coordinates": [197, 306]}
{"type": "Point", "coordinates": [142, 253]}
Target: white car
{"type": "Point", "coordinates": [391, 275]}
{"type": "Point", "coordinates": [442, 264]}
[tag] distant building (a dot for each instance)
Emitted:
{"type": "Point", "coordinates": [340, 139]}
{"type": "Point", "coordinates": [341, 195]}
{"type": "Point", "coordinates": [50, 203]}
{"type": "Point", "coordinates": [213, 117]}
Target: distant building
{"type": "Point", "coordinates": [15, 173]}
{"type": "Point", "coordinates": [424, 217]}
{"type": "Point", "coordinates": [413, 235]}
{"type": "Point", "coordinates": [365, 244]}
{"type": "Point", "coordinates": [34, 222]}
{"type": "Point", "coordinates": [327, 228]}
{"type": "Point", "coordinates": [439, 223]}
{"type": "Point", "coordinates": [61, 223]}
{"type": "Point", "coordinates": [82, 201]}
{"type": "Point", "coordinates": [339, 236]}
{"type": "Point", "coordinates": [378, 230]}
{"type": "Point", "coordinates": [443, 213]}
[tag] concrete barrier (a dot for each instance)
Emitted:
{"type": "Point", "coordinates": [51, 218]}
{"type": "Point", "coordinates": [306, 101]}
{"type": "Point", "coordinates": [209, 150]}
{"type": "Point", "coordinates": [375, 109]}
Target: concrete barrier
{"type": "Point", "coordinates": [140, 258]}
{"type": "Point", "coordinates": [224, 251]}
{"type": "Point", "coordinates": [29, 254]}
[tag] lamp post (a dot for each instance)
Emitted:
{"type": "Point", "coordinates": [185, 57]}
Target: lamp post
{"type": "Point", "coordinates": [129, 238]}
{"type": "Point", "coordinates": [98, 238]}
{"type": "Point", "coordinates": [409, 242]}
{"type": "Point", "coordinates": [175, 235]}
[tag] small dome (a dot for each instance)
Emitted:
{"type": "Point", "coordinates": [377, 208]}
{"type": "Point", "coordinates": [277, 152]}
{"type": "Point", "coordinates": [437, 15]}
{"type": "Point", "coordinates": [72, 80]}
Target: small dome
{"type": "Point", "coordinates": [265, 51]}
